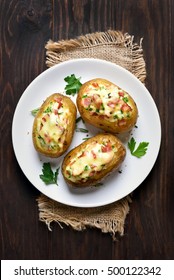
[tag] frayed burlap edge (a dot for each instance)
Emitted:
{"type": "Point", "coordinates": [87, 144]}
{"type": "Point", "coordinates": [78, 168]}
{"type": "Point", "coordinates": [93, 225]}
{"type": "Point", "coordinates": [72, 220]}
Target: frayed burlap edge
{"type": "Point", "coordinates": [109, 218]}
{"type": "Point", "coordinates": [115, 41]}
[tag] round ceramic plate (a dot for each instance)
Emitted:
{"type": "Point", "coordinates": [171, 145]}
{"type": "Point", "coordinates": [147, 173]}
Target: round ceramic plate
{"type": "Point", "coordinates": [133, 170]}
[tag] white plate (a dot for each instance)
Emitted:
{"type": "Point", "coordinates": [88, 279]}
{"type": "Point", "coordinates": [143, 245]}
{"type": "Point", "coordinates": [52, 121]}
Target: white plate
{"type": "Point", "coordinates": [132, 172]}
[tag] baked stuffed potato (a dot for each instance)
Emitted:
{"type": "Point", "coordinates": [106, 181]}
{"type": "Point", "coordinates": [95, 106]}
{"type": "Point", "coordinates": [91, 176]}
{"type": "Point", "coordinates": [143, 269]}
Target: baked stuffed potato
{"type": "Point", "coordinates": [107, 106]}
{"type": "Point", "coordinates": [54, 125]}
{"type": "Point", "coordinates": [94, 159]}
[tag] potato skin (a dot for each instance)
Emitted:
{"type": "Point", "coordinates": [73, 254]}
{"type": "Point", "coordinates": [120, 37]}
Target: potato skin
{"type": "Point", "coordinates": [93, 160]}
{"type": "Point", "coordinates": [54, 125]}
{"type": "Point", "coordinates": [105, 105]}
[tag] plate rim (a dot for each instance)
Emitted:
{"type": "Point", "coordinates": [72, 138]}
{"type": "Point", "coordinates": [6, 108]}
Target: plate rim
{"type": "Point", "coordinates": [61, 64]}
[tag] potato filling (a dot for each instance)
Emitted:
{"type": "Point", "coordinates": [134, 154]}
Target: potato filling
{"type": "Point", "coordinates": [52, 125]}
{"type": "Point", "coordinates": [94, 158]}
{"type": "Point", "coordinates": [107, 101]}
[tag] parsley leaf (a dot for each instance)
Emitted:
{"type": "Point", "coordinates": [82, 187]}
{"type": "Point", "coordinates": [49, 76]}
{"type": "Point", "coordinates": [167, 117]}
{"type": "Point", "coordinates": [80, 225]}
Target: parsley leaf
{"type": "Point", "coordinates": [78, 119]}
{"type": "Point", "coordinates": [140, 150]}
{"type": "Point", "coordinates": [131, 144]}
{"type": "Point", "coordinates": [48, 176]}
{"type": "Point", "coordinates": [80, 129]}
{"type": "Point", "coordinates": [73, 85]}
{"type": "Point", "coordinates": [35, 111]}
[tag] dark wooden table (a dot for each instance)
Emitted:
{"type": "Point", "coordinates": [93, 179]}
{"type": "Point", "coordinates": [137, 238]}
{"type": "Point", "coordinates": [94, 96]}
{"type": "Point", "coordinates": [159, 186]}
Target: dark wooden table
{"type": "Point", "coordinates": [25, 27]}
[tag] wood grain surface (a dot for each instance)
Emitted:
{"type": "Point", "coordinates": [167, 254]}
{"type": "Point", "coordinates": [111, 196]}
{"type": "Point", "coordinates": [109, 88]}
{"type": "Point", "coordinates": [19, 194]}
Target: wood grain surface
{"type": "Point", "coordinates": [25, 27]}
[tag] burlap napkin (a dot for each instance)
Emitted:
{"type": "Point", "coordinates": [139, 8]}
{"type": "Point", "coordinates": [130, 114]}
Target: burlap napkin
{"type": "Point", "coordinates": [119, 48]}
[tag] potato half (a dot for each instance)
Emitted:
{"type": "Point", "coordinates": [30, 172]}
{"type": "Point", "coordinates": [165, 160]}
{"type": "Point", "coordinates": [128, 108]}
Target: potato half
{"type": "Point", "coordinates": [54, 125]}
{"type": "Point", "coordinates": [93, 160]}
{"type": "Point", "coordinates": [107, 106]}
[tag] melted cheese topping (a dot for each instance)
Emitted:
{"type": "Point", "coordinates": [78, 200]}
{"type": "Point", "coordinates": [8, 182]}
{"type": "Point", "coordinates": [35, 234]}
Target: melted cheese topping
{"type": "Point", "coordinates": [52, 125]}
{"type": "Point", "coordinates": [94, 158]}
{"type": "Point", "coordinates": [108, 101]}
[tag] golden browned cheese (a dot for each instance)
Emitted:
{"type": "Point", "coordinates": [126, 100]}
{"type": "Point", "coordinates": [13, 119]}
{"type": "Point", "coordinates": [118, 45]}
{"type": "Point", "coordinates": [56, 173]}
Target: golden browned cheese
{"type": "Point", "coordinates": [54, 125]}
{"type": "Point", "coordinates": [93, 160]}
{"type": "Point", "coordinates": [107, 106]}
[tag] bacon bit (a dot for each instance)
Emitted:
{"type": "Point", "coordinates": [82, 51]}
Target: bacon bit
{"type": "Point", "coordinates": [94, 155]}
{"type": "Point", "coordinates": [93, 166]}
{"type": "Point", "coordinates": [95, 85]}
{"type": "Point", "coordinates": [111, 104]}
{"type": "Point", "coordinates": [44, 119]}
{"type": "Point", "coordinates": [107, 148]}
{"type": "Point", "coordinates": [86, 101]}
{"type": "Point", "coordinates": [97, 100]}
{"type": "Point", "coordinates": [59, 105]}
{"type": "Point", "coordinates": [47, 138]}
{"type": "Point", "coordinates": [121, 93]}
{"type": "Point", "coordinates": [59, 101]}
{"type": "Point", "coordinates": [55, 112]}
{"type": "Point", "coordinates": [126, 108]}
{"type": "Point", "coordinates": [114, 102]}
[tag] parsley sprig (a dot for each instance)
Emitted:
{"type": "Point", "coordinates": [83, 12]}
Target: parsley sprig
{"type": "Point", "coordinates": [73, 85]}
{"type": "Point", "coordinates": [140, 150]}
{"type": "Point", "coordinates": [48, 176]}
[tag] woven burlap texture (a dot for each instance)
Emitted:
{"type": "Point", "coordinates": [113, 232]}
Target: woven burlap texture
{"type": "Point", "coordinates": [119, 48]}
